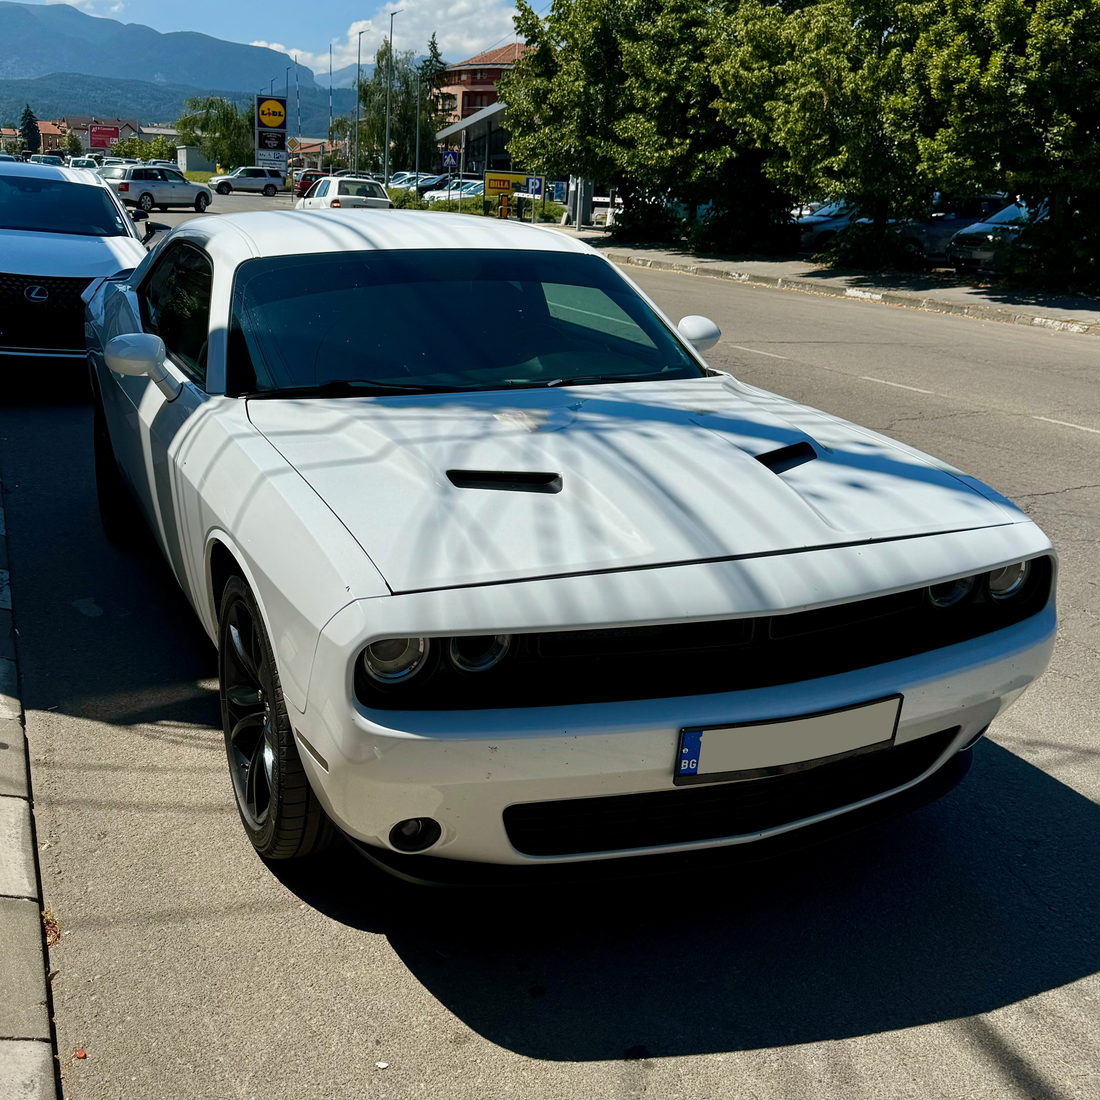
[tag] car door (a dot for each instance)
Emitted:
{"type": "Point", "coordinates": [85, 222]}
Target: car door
{"type": "Point", "coordinates": [173, 301]}
{"type": "Point", "coordinates": [321, 194]}
{"type": "Point", "coordinates": [178, 191]}
{"type": "Point", "coordinates": [257, 177]}
{"type": "Point", "coordinates": [310, 195]}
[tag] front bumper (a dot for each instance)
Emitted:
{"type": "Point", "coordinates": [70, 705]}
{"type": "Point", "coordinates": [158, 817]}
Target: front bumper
{"type": "Point", "coordinates": [373, 768]}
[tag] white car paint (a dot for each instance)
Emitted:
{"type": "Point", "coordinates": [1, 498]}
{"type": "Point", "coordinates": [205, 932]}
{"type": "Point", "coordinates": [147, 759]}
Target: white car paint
{"type": "Point", "coordinates": [335, 192]}
{"type": "Point", "coordinates": [665, 518]}
{"type": "Point", "coordinates": [50, 255]}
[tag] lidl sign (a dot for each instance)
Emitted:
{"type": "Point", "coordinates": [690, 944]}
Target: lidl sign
{"type": "Point", "coordinates": [270, 113]}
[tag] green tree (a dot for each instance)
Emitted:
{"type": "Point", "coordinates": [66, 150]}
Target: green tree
{"type": "Point", "coordinates": [28, 129]}
{"type": "Point", "coordinates": [434, 113]}
{"type": "Point", "coordinates": [73, 145]}
{"type": "Point", "coordinates": [159, 148]}
{"type": "Point", "coordinates": [221, 129]}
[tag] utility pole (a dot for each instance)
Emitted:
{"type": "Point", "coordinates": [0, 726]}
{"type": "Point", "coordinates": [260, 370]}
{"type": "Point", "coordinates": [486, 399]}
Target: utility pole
{"type": "Point", "coordinates": [286, 94]}
{"type": "Point", "coordinates": [358, 90]}
{"type": "Point", "coordinates": [417, 132]}
{"type": "Point", "coordinates": [329, 97]}
{"type": "Point", "coordinates": [389, 93]}
{"type": "Point", "coordinates": [298, 100]}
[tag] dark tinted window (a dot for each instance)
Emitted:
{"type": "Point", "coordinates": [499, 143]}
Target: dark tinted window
{"type": "Point", "coordinates": [498, 319]}
{"type": "Point", "coordinates": [58, 206]}
{"type": "Point", "coordinates": [175, 303]}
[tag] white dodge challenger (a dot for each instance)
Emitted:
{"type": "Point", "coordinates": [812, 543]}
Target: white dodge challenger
{"type": "Point", "coordinates": [501, 575]}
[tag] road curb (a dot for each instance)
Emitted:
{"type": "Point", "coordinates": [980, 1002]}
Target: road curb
{"type": "Point", "coordinates": [869, 294]}
{"type": "Point", "coordinates": [27, 1063]}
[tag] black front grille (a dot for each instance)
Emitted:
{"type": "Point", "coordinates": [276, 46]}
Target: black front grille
{"type": "Point", "coordinates": [576, 826]}
{"type": "Point", "coordinates": [650, 662]}
{"type": "Point", "coordinates": [55, 323]}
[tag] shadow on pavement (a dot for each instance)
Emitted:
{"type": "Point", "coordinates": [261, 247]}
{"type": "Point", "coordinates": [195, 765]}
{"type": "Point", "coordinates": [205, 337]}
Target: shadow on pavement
{"type": "Point", "coordinates": [981, 900]}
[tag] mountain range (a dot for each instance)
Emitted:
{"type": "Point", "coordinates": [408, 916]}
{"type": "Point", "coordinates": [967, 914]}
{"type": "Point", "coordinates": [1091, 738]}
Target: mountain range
{"type": "Point", "coordinates": [39, 39]}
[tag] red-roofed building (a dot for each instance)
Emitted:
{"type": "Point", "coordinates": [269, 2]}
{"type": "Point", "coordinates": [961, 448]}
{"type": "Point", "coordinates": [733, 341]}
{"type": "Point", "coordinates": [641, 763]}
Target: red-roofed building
{"type": "Point", "coordinates": [53, 136]}
{"type": "Point", "coordinates": [472, 84]}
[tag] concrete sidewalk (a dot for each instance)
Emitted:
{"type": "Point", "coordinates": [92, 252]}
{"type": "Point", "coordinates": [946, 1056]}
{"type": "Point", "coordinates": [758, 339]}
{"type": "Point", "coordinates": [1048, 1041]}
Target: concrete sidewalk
{"type": "Point", "coordinates": [27, 1067]}
{"type": "Point", "coordinates": [912, 290]}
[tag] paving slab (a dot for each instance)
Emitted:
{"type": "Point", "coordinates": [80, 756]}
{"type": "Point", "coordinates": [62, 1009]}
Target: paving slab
{"type": "Point", "coordinates": [23, 1012]}
{"type": "Point", "coordinates": [26, 1070]}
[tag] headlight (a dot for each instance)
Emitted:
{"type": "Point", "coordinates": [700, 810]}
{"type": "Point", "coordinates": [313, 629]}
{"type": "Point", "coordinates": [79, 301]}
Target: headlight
{"type": "Point", "coordinates": [392, 660]}
{"type": "Point", "coordinates": [479, 653]}
{"type": "Point", "coordinates": [1007, 582]}
{"type": "Point", "coordinates": [951, 592]}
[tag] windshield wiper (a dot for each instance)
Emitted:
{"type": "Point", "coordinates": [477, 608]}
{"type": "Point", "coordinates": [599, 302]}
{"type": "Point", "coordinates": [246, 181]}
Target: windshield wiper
{"type": "Point", "coordinates": [350, 388]}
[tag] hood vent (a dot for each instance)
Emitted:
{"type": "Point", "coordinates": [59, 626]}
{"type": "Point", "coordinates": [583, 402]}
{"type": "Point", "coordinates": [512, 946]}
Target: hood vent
{"type": "Point", "coordinates": [508, 481]}
{"type": "Point", "coordinates": [787, 458]}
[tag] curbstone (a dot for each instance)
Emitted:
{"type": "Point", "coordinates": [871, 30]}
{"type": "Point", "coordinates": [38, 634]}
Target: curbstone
{"type": "Point", "coordinates": [13, 760]}
{"type": "Point", "coordinates": [10, 707]}
{"type": "Point", "coordinates": [23, 1013]}
{"type": "Point", "coordinates": [17, 877]}
{"type": "Point", "coordinates": [26, 1070]}
{"type": "Point", "coordinates": [883, 297]}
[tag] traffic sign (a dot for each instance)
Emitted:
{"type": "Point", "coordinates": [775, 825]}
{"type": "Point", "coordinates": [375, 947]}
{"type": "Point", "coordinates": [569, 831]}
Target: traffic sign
{"type": "Point", "coordinates": [450, 159]}
{"type": "Point", "coordinates": [293, 144]}
{"type": "Point", "coordinates": [533, 186]}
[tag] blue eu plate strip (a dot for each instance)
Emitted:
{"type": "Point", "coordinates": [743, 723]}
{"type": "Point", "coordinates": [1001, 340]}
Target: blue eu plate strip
{"type": "Point", "coordinates": [691, 742]}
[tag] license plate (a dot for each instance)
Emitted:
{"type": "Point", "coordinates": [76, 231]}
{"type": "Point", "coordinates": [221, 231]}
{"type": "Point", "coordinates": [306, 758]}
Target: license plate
{"type": "Point", "coordinates": [756, 750]}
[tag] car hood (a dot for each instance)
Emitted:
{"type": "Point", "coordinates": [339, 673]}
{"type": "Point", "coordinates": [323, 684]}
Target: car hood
{"type": "Point", "coordinates": [650, 474]}
{"type": "Point", "coordinates": [66, 255]}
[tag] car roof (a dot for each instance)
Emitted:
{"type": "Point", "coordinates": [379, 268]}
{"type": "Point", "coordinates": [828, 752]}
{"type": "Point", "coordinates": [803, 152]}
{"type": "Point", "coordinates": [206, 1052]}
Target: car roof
{"type": "Point", "coordinates": [234, 238]}
{"type": "Point", "coordinates": [37, 170]}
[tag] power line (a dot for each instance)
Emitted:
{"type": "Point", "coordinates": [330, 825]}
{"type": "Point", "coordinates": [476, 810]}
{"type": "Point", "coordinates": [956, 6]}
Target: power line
{"type": "Point", "coordinates": [512, 32]}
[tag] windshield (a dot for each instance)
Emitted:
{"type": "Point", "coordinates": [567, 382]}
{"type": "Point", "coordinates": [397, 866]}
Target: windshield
{"type": "Point", "coordinates": [829, 210]}
{"type": "Point", "coordinates": [113, 172]}
{"type": "Point", "coordinates": [58, 206]}
{"type": "Point", "coordinates": [445, 319]}
{"type": "Point", "coordinates": [1013, 214]}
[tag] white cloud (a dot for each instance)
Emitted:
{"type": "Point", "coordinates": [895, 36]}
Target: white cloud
{"type": "Point", "coordinates": [462, 27]}
{"type": "Point", "coordinates": [95, 7]}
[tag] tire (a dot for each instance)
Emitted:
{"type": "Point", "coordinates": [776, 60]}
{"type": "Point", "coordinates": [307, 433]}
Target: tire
{"type": "Point", "coordinates": [278, 808]}
{"type": "Point", "coordinates": [224, 188]}
{"type": "Point", "coordinates": [270, 190]}
{"type": "Point", "coordinates": [823, 241]}
{"type": "Point", "coordinates": [145, 202]}
{"type": "Point", "coordinates": [202, 201]}
{"type": "Point", "coordinates": [118, 511]}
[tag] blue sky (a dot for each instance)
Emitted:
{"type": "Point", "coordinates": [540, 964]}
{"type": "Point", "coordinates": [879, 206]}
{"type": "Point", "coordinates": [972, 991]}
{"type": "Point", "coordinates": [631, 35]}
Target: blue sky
{"type": "Point", "coordinates": [464, 27]}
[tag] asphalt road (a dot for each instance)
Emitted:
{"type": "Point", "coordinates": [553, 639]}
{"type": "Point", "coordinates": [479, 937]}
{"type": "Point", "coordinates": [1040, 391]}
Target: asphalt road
{"type": "Point", "coordinates": [949, 954]}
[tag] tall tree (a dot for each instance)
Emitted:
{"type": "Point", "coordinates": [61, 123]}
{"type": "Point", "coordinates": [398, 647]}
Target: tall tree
{"type": "Point", "coordinates": [221, 129]}
{"type": "Point", "coordinates": [28, 130]}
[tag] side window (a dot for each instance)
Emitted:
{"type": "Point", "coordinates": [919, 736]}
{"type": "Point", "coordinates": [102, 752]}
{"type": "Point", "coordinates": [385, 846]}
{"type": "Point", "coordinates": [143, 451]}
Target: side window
{"type": "Point", "coordinates": [312, 192]}
{"type": "Point", "coordinates": [175, 304]}
{"type": "Point", "coordinates": [322, 189]}
{"type": "Point", "coordinates": [173, 177]}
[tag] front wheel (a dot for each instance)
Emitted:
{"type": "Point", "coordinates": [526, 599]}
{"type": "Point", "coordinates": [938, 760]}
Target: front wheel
{"type": "Point", "coordinates": [224, 188]}
{"type": "Point", "coordinates": [202, 201]}
{"type": "Point", "coordinates": [271, 190]}
{"type": "Point", "coordinates": [146, 202]}
{"type": "Point", "coordinates": [278, 808]}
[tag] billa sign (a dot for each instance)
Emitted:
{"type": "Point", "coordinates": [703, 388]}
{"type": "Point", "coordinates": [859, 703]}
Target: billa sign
{"type": "Point", "coordinates": [102, 137]}
{"type": "Point", "coordinates": [508, 183]}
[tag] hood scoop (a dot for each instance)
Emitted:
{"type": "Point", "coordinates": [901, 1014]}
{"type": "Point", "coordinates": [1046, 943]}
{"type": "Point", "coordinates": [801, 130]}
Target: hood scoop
{"type": "Point", "coordinates": [787, 458]}
{"type": "Point", "coordinates": [508, 481]}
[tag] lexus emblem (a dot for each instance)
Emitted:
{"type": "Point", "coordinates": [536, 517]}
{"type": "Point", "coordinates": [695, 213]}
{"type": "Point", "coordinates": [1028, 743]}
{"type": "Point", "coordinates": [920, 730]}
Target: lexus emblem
{"type": "Point", "coordinates": [36, 294]}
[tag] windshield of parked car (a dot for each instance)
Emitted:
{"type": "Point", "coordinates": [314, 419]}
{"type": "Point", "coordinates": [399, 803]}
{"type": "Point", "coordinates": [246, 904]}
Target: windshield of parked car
{"type": "Point", "coordinates": [41, 205]}
{"type": "Point", "coordinates": [1013, 214]}
{"type": "Point", "coordinates": [829, 210]}
{"type": "Point", "coordinates": [446, 319]}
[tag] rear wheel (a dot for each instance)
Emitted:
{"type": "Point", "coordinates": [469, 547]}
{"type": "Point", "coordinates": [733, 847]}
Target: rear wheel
{"type": "Point", "coordinates": [202, 201]}
{"type": "Point", "coordinates": [145, 202]}
{"type": "Point", "coordinates": [117, 510]}
{"type": "Point", "coordinates": [270, 190]}
{"type": "Point", "coordinates": [279, 810]}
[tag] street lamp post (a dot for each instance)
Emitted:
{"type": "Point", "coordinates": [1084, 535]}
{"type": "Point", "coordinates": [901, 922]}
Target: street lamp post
{"type": "Point", "coordinates": [389, 91]}
{"type": "Point", "coordinates": [417, 131]}
{"type": "Point", "coordinates": [286, 94]}
{"type": "Point", "coordinates": [358, 92]}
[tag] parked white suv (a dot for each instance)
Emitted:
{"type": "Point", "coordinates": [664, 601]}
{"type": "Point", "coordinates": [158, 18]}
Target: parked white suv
{"type": "Point", "coordinates": [266, 180]}
{"type": "Point", "coordinates": [148, 186]}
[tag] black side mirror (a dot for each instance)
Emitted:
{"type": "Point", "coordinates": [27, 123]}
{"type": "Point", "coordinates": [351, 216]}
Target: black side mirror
{"type": "Point", "coordinates": [138, 216]}
{"type": "Point", "coordinates": [152, 229]}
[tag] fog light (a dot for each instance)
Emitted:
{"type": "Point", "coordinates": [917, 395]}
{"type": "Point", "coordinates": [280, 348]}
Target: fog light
{"type": "Point", "coordinates": [951, 592]}
{"type": "Point", "coordinates": [1007, 582]}
{"type": "Point", "coordinates": [479, 653]}
{"type": "Point", "coordinates": [415, 835]}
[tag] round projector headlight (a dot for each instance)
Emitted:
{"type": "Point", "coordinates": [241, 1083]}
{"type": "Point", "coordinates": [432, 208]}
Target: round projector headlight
{"type": "Point", "coordinates": [392, 660]}
{"type": "Point", "coordinates": [479, 653]}
{"type": "Point", "coordinates": [1007, 582]}
{"type": "Point", "coordinates": [950, 593]}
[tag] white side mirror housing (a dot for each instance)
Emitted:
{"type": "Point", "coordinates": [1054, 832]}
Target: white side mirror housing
{"type": "Point", "coordinates": [701, 332]}
{"type": "Point", "coordinates": [138, 353]}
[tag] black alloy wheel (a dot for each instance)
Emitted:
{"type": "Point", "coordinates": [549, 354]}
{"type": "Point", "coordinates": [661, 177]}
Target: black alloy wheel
{"type": "Point", "coordinates": [270, 190]}
{"type": "Point", "coordinates": [224, 188]}
{"type": "Point", "coordinates": [279, 810]}
{"type": "Point", "coordinates": [146, 202]}
{"type": "Point", "coordinates": [201, 202]}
